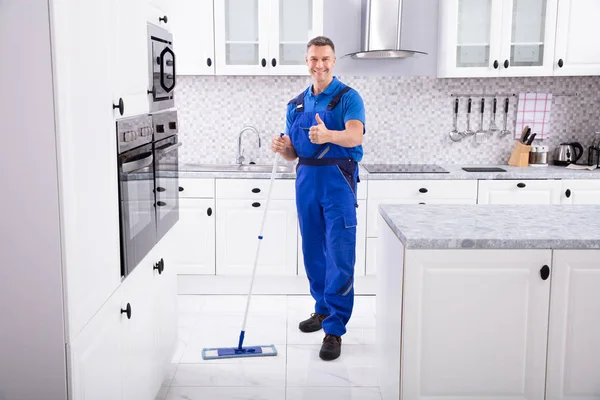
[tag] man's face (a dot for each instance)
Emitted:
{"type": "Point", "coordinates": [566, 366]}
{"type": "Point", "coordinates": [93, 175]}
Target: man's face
{"type": "Point", "coordinates": [320, 61]}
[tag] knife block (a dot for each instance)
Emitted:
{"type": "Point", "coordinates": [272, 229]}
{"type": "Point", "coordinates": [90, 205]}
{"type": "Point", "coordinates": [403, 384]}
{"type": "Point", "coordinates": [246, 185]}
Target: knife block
{"type": "Point", "coordinates": [520, 155]}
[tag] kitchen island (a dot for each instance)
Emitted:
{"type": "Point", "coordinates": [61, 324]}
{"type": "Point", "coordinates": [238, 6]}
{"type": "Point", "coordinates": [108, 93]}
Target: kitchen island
{"type": "Point", "coordinates": [489, 301]}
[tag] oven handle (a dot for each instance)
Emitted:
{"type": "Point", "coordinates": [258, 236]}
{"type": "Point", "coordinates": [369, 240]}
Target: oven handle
{"type": "Point", "coordinates": [168, 149]}
{"type": "Point", "coordinates": [137, 164]}
{"type": "Point", "coordinates": [162, 60]}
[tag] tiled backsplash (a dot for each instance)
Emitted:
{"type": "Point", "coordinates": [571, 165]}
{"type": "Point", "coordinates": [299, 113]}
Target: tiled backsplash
{"type": "Point", "coordinates": [407, 119]}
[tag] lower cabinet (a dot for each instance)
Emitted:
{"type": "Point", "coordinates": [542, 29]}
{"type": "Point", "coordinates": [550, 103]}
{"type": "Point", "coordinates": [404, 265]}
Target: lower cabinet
{"type": "Point", "coordinates": [520, 192]}
{"type": "Point", "coordinates": [123, 352]}
{"type": "Point", "coordinates": [574, 335]}
{"type": "Point", "coordinates": [580, 191]}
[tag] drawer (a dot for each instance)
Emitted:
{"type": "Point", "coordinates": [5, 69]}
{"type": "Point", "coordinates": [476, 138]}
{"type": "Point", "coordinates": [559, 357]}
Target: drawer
{"type": "Point", "coordinates": [283, 189]}
{"type": "Point", "coordinates": [522, 191]}
{"type": "Point", "coordinates": [423, 189]}
{"type": "Point", "coordinates": [196, 188]}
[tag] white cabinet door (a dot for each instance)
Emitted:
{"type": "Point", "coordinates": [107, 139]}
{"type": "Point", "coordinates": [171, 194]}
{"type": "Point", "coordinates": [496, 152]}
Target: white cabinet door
{"type": "Point", "coordinates": [519, 192]}
{"type": "Point", "coordinates": [475, 324]}
{"type": "Point", "coordinates": [130, 58]}
{"type": "Point", "coordinates": [361, 233]}
{"type": "Point", "coordinates": [193, 36]}
{"type": "Point", "coordinates": [238, 225]}
{"type": "Point", "coordinates": [292, 25]}
{"type": "Point", "coordinates": [158, 13]}
{"type": "Point", "coordinates": [192, 244]}
{"type": "Point", "coordinates": [469, 38]}
{"type": "Point", "coordinates": [574, 337]}
{"type": "Point", "coordinates": [580, 191]}
{"type": "Point", "coordinates": [241, 37]}
{"type": "Point", "coordinates": [528, 37]}
{"type": "Point", "coordinates": [141, 368]}
{"type": "Point", "coordinates": [96, 355]}
{"type": "Point", "coordinates": [577, 46]}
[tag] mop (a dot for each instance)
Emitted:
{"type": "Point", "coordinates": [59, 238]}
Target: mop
{"type": "Point", "coordinates": [249, 351]}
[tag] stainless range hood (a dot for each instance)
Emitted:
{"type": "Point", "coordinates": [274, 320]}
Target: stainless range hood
{"type": "Point", "coordinates": [381, 31]}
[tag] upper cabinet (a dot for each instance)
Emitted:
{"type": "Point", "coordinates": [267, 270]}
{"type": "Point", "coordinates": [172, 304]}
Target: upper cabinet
{"type": "Point", "coordinates": [158, 12]}
{"type": "Point", "coordinates": [577, 43]}
{"type": "Point", "coordinates": [264, 37]}
{"type": "Point", "coordinates": [491, 38]}
{"type": "Point", "coordinates": [193, 36]}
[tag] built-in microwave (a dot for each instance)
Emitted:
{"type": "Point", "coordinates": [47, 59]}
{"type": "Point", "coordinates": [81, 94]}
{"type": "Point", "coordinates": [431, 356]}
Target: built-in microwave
{"type": "Point", "coordinates": [161, 68]}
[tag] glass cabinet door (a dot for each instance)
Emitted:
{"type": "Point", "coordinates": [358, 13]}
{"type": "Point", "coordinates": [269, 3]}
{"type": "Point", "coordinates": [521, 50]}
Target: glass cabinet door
{"type": "Point", "coordinates": [294, 24]}
{"type": "Point", "coordinates": [474, 33]}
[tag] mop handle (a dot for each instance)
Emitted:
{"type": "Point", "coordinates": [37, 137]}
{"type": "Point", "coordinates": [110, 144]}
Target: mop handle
{"type": "Point", "coordinates": [260, 237]}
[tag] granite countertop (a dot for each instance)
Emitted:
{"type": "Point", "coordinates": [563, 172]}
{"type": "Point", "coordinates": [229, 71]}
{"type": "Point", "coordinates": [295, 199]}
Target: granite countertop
{"type": "Point", "coordinates": [454, 172]}
{"type": "Point", "coordinates": [489, 226]}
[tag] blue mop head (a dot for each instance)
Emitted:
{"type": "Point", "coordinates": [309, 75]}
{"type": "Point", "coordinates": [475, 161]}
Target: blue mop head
{"type": "Point", "coordinates": [233, 352]}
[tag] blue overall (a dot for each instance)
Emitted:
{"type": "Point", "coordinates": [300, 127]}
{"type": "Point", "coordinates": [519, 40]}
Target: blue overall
{"type": "Point", "coordinates": [326, 202]}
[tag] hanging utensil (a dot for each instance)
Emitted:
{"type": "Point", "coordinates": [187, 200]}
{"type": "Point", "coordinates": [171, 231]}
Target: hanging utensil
{"type": "Point", "coordinates": [505, 131]}
{"type": "Point", "coordinates": [481, 136]}
{"type": "Point", "coordinates": [468, 131]}
{"type": "Point", "coordinates": [454, 134]}
{"type": "Point", "coordinates": [493, 128]}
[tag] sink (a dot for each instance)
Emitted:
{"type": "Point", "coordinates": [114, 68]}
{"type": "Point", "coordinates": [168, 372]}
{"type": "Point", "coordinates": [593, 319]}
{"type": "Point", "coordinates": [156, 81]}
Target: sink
{"type": "Point", "coordinates": [237, 168]}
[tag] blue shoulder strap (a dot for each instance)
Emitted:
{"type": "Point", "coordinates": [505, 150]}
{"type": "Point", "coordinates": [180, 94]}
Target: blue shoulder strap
{"type": "Point", "coordinates": [336, 99]}
{"type": "Point", "coordinates": [298, 101]}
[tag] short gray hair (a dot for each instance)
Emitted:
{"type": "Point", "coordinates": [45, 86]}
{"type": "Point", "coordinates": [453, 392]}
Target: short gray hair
{"type": "Point", "coordinates": [320, 41]}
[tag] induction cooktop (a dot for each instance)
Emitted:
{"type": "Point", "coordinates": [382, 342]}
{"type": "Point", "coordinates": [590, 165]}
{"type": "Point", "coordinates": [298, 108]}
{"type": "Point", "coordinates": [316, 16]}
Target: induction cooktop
{"type": "Point", "coordinates": [404, 169]}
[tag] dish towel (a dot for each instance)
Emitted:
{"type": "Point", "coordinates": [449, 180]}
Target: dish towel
{"type": "Point", "coordinates": [534, 110]}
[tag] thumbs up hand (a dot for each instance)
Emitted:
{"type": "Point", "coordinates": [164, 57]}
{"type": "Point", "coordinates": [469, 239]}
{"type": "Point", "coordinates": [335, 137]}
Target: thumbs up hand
{"type": "Point", "coordinates": [319, 134]}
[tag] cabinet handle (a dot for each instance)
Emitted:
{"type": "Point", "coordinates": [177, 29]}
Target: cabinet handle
{"type": "Point", "coordinates": [521, 185]}
{"type": "Point", "coordinates": [255, 204]}
{"type": "Point", "coordinates": [568, 193]}
{"type": "Point", "coordinates": [274, 62]}
{"type": "Point", "coordinates": [560, 63]}
{"type": "Point", "coordinates": [161, 203]}
{"type": "Point", "coordinates": [506, 63]}
{"type": "Point", "coordinates": [180, 189]}
{"type": "Point", "coordinates": [164, 19]}
{"type": "Point", "coordinates": [496, 64]}
{"type": "Point", "coordinates": [545, 272]}
{"type": "Point", "coordinates": [120, 106]}
{"type": "Point", "coordinates": [209, 211]}
{"type": "Point", "coordinates": [263, 62]}
{"type": "Point", "coordinates": [208, 62]}
{"type": "Point", "coordinates": [127, 310]}
{"type": "Point", "coordinates": [421, 203]}
{"type": "Point", "coordinates": [160, 266]}
{"type": "Point", "coordinates": [256, 190]}
{"type": "Point", "coordinates": [423, 190]}
{"type": "Point", "coordinates": [160, 189]}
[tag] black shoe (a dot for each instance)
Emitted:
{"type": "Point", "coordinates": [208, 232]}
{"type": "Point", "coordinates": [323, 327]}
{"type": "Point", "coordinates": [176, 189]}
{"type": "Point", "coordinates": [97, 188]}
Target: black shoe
{"type": "Point", "coordinates": [313, 324]}
{"type": "Point", "coordinates": [331, 348]}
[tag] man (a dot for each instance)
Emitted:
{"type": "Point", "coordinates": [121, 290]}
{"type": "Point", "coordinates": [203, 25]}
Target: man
{"type": "Point", "coordinates": [325, 127]}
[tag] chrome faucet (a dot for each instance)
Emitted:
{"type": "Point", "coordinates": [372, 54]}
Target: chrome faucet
{"type": "Point", "coordinates": [240, 156]}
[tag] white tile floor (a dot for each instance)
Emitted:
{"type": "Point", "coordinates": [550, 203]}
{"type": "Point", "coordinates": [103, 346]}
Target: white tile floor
{"type": "Point", "coordinates": [295, 373]}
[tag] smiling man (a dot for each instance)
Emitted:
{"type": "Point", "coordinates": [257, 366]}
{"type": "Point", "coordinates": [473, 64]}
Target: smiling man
{"type": "Point", "coordinates": [325, 125]}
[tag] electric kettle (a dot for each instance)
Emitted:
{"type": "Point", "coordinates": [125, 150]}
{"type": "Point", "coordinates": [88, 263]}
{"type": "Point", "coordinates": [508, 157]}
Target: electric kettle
{"type": "Point", "coordinates": [568, 153]}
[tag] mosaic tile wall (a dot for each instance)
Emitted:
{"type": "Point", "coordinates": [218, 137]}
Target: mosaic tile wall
{"type": "Point", "coordinates": [407, 119]}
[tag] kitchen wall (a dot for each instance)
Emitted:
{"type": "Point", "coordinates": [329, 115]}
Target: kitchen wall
{"type": "Point", "coordinates": [407, 118]}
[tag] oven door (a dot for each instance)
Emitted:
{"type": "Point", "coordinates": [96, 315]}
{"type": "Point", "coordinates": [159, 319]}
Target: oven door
{"type": "Point", "coordinates": [166, 155]}
{"type": "Point", "coordinates": [136, 206]}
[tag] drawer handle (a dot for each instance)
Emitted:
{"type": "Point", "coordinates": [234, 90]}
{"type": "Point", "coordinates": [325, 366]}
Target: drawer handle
{"type": "Point", "coordinates": [421, 203]}
{"type": "Point", "coordinates": [545, 272]}
{"type": "Point", "coordinates": [127, 311]}
{"type": "Point", "coordinates": [255, 204]}
{"type": "Point", "coordinates": [209, 211]}
{"type": "Point", "coordinates": [256, 190]}
{"type": "Point", "coordinates": [180, 189]}
{"type": "Point", "coordinates": [423, 190]}
{"type": "Point", "coordinates": [568, 193]}
{"type": "Point", "coordinates": [521, 185]}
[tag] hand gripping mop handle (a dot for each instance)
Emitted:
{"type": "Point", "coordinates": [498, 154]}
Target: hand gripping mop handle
{"type": "Point", "coordinates": [260, 237]}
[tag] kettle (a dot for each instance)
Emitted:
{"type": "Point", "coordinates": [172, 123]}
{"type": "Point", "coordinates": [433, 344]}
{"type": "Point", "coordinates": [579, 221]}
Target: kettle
{"type": "Point", "coordinates": [565, 153]}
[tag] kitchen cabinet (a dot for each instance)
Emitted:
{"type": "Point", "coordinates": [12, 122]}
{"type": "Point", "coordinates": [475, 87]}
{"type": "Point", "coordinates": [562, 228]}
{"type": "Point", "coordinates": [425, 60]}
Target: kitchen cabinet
{"type": "Point", "coordinates": [496, 38]}
{"type": "Point", "coordinates": [574, 333]}
{"type": "Point", "coordinates": [123, 352]}
{"type": "Point", "coordinates": [474, 323]}
{"type": "Point", "coordinates": [361, 233]}
{"type": "Point", "coordinates": [265, 37]}
{"type": "Point", "coordinates": [580, 191]}
{"type": "Point", "coordinates": [130, 57]}
{"type": "Point", "coordinates": [519, 192]}
{"type": "Point", "coordinates": [577, 51]}
{"type": "Point", "coordinates": [158, 12]}
{"type": "Point", "coordinates": [193, 32]}
{"type": "Point", "coordinates": [239, 212]}
{"type": "Point", "coordinates": [411, 192]}
{"type": "Point", "coordinates": [193, 240]}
